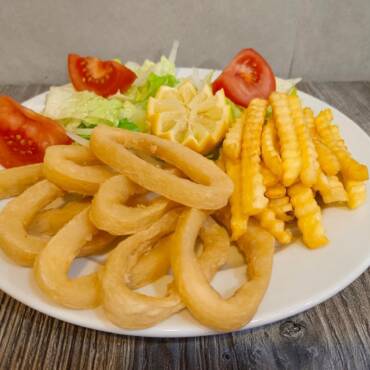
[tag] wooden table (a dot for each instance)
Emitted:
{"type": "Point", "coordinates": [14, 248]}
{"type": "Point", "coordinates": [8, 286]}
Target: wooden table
{"type": "Point", "coordinates": [332, 335]}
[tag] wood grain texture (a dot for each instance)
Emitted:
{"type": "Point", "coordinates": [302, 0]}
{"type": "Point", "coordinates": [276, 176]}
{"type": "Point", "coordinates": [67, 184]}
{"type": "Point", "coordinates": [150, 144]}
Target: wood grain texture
{"type": "Point", "coordinates": [333, 335]}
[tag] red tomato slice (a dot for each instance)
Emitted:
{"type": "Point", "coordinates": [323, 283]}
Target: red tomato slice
{"type": "Point", "coordinates": [24, 134]}
{"type": "Point", "coordinates": [248, 76]}
{"type": "Point", "coordinates": [102, 77]}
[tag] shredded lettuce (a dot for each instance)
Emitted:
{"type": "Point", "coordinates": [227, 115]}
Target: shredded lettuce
{"type": "Point", "coordinates": [128, 125]}
{"type": "Point", "coordinates": [81, 111]}
{"type": "Point", "coordinates": [151, 76]}
{"type": "Point", "coordinates": [162, 68]}
{"type": "Point", "coordinates": [197, 80]}
{"type": "Point", "coordinates": [173, 53]}
{"type": "Point", "coordinates": [83, 132]}
{"type": "Point", "coordinates": [84, 129]}
{"type": "Point", "coordinates": [235, 109]}
{"type": "Point", "coordinates": [268, 112]}
{"type": "Point", "coordinates": [70, 106]}
{"type": "Point", "coordinates": [293, 91]}
{"type": "Point", "coordinates": [135, 113]}
{"type": "Point", "coordinates": [283, 85]}
{"type": "Point", "coordinates": [141, 94]}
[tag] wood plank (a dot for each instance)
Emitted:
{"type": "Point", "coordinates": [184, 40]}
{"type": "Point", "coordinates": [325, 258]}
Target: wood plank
{"type": "Point", "coordinates": [332, 335]}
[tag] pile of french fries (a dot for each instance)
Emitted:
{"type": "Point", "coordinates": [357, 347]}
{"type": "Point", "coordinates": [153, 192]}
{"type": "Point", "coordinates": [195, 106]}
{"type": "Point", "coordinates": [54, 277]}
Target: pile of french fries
{"type": "Point", "coordinates": [284, 163]}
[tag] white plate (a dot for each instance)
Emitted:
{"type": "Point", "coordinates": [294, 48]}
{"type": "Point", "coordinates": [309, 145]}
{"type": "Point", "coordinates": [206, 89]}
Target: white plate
{"type": "Point", "coordinates": [301, 277]}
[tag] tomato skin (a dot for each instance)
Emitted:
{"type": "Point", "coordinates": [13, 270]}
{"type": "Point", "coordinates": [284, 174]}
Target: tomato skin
{"type": "Point", "coordinates": [24, 134]}
{"type": "Point", "coordinates": [104, 78]}
{"type": "Point", "coordinates": [246, 77]}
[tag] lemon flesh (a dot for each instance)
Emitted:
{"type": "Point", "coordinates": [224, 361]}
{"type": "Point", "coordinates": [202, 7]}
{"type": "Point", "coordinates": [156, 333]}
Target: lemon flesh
{"type": "Point", "coordinates": [196, 119]}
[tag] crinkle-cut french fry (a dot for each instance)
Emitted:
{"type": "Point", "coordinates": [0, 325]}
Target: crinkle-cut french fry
{"type": "Point", "coordinates": [269, 146]}
{"type": "Point", "coordinates": [238, 221]}
{"type": "Point", "coordinates": [330, 135]}
{"type": "Point", "coordinates": [253, 188]}
{"type": "Point", "coordinates": [328, 114]}
{"type": "Point", "coordinates": [274, 226]}
{"type": "Point", "coordinates": [309, 118]}
{"type": "Point", "coordinates": [351, 169]}
{"type": "Point", "coordinates": [283, 208]}
{"type": "Point", "coordinates": [356, 192]}
{"type": "Point", "coordinates": [274, 192]}
{"type": "Point", "coordinates": [269, 179]}
{"type": "Point", "coordinates": [308, 214]}
{"type": "Point", "coordinates": [233, 140]}
{"type": "Point", "coordinates": [328, 161]}
{"type": "Point", "coordinates": [330, 189]}
{"type": "Point", "coordinates": [310, 165]}
{"type": "Point", "coordinates": [289, 146]}
{"type": "Point", "coordinates": [220, 161]}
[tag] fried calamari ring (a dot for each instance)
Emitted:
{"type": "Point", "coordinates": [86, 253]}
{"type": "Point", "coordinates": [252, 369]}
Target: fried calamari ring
{"type": "Point", "coordinates": [157, 262]}
{"type": "Point", "coordinates": [235, 258]}
{"type": "Point", "coordinates": [74, 168]}
{"type": "Point", "coordinates": [109, 212]}
{"type": "Point", "coordinates": [99, 244]}
{"type": "Point", "coordinates": [152, 265]}
{"type": "Point", "coordinates": [15, 234]}
{"type": "Point", "coordinates": [14, 181]}
{"type": "Point", "coordinates": [124, 307]}
{"type": "Point", "coordinates": [52, 265]}
{"type": "Point", "coordinates": [210, 188]}
{"type": "Point", "coordinates": [206, 304]}
{"type": "Point", "coordinates": [15, 241]}
{"type": "Point", "coordinates": [49, 221]}
{"type": "Point", "coordinates": [133, 310]}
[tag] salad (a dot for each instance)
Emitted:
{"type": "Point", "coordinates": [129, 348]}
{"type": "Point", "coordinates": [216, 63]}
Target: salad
{"type": "Point", "coordinates": [196, 110]}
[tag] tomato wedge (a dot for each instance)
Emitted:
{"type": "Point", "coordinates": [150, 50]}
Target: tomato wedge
{"type": "Point", "coordinates": [248, 76]}
{"type": "Point", "coordinates": [24, 134]}
{"type": "Point", "coordinates": [104, 77]}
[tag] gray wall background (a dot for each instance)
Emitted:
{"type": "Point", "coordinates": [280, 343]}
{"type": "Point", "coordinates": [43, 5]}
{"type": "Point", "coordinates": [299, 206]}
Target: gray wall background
{"type": "Point", "coordinates": [318, 40]}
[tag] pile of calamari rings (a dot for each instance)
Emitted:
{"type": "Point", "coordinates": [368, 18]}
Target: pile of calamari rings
{"type": "Point", "coordinates": [148, 217]}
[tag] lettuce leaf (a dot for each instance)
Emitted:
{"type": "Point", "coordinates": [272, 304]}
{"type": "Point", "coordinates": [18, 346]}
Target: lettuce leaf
{"type": "Point", "coordinates": [128, 125]}
{"type": "Point", "coordinates": [235, 109]}
{"type": "Point", "coordinates": [293, 91]}
{"type": "Point", "coordinates": [84, 129]}
{"type": "Point", "coordinates": [135, 113]}
{"type": "Point", "coordinates": [162, 68]}
{"type": "Point", "coordinates": [287, 86]}
{"type": "Point", "coordinates": [268, 112]}
{"type": "Point", "coordinates": [66, 104]}
{"type": "Point", "coordinates": [81, 111]}
{"type": "Point", "coordinates": [283, 85]}
{"type": "Point", "coordinates": [152, 85]}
